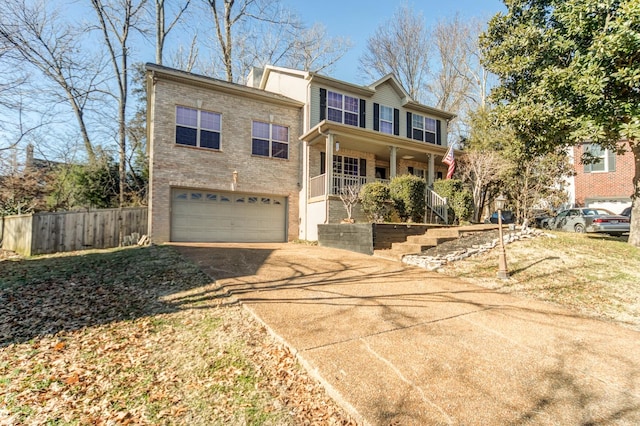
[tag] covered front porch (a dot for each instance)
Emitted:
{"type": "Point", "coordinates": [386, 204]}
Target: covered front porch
{"type": "Point", "coordinates": [337, 156]}
{"type": "Point", "coordinates": [361, 156]}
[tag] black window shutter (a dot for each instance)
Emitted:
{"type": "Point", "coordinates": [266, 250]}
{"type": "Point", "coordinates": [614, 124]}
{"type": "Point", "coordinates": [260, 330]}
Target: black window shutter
{"type": "Point", "coordinates": [438, 133]}
{"type": "Point", "coordinates": [410, 169]}
{"type": "Point", "coordinates": [323, 163]}
{"type": "Point", "coordinates": [323, 104]}
{"type": "Point", "coordinates": [396, 121]}
{"type": "Point", "coordinates": [363, 115]}
{"type": "Point", "coordinates": [363, 167]}
{"type": "Point", "coordinates": [376, 117]}
{"type": "Point", "coordinates": [409, 125]}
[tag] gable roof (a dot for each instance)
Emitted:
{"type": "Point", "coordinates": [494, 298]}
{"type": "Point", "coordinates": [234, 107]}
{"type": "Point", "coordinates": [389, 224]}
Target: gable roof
{"type": "Point", "coordinates": [367, 91]}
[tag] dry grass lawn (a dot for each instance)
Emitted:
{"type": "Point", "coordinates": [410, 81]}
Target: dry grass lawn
{"type": "Point", "coordinates": [594, 275]}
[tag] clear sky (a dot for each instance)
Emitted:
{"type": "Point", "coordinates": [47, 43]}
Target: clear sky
{"type": "Point", "coordinates": [359, 19]}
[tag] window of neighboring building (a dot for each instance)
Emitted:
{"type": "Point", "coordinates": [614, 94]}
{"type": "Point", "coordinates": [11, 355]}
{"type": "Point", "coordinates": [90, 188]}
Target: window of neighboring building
{"type": "Point", "coordinates": [423, 128]}
{"type": "Point", "coordinates": [197, 128]}
{"type": "Point", "coordinates": [270, 140]}
{"type": "Point", "coordinates": [342, 108]}
{"type": "Point", "coordinates": [605, 159]}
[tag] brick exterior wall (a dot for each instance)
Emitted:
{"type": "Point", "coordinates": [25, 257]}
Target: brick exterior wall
{"type": "Point", "coordinates": [173, 165]}
{"type": "Point", "coordinates": [616, 185]}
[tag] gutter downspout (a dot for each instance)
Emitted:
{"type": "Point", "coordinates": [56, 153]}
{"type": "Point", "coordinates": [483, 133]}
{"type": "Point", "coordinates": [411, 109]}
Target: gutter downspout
{"type": "Point", "coordinates": [328, 171]}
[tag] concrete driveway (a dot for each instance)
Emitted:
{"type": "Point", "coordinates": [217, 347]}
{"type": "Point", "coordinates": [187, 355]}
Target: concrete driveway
{"type": "Point", "coordinates": [398, 345]}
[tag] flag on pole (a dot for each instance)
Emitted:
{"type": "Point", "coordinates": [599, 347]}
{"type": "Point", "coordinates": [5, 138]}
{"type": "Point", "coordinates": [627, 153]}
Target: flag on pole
{"type": "Point", "coordinates": [450, 161]}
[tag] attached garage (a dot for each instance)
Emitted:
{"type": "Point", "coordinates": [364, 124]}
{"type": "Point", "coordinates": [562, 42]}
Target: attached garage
{"type": "Point", "coordinates": [216, 216]}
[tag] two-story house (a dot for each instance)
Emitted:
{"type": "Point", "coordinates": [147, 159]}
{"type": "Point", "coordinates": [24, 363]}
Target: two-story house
{"type": "Point", "coordinates": [266, 161]}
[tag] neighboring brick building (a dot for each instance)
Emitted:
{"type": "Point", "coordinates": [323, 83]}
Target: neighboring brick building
{"type": "Point", "coordinates": [607, 183]}
{"type": "Point", "coordinates": [265, 161]}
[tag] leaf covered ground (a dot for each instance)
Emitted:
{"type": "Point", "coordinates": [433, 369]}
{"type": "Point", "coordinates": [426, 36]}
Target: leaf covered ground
{"type": "Point", "coordinates": [138, 336]}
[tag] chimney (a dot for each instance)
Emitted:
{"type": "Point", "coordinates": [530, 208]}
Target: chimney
{"type": "Point", "coordinates": [254, 77]}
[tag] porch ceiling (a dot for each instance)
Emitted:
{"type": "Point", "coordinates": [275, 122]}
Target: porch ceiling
{"type": "Point", "coordinates": [365, 140]}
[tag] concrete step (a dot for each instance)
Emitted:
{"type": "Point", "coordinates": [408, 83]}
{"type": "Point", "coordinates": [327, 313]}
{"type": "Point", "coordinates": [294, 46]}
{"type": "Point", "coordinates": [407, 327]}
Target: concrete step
{"type": "Point", "coordinates": [428, 240]}
{"type": "Point", "coordinates": [409, 248]}
{"type": "Point", "coordinates": [451, 233]}
{"type": "Point", "coordinates": [388, 254]}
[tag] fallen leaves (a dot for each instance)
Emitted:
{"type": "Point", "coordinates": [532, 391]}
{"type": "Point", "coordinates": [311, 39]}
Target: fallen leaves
{"type": "Point", "coordinates": [116, 338]}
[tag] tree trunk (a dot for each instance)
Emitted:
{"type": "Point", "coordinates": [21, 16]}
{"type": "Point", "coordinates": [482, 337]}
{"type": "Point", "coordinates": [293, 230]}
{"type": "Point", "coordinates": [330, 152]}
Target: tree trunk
{"type": "Point", "coordinates": [634, 235]}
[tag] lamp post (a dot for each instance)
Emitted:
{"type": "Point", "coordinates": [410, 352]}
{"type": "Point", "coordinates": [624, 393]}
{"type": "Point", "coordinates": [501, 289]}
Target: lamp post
{"type": "Point", "coordinates": [503, 273]}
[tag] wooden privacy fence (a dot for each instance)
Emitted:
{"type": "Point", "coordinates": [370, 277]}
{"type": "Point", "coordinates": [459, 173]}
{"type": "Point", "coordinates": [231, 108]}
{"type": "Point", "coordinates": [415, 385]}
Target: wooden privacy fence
{"type": "Point", "coordinates": [43, 233]}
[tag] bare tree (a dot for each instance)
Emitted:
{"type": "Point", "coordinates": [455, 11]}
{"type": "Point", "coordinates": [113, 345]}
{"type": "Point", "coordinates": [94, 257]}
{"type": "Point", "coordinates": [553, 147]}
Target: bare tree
{"type": "Point", "coordinates": [482, 169]}
{"type": "Point", "coordinates": [116, 20]}
{"type": "Point", "coordinates": [186, 60]}
{"type": "Point", "coordinates": [293, 46]}
{"type": "Point", "coordinates": [400, 46]}
{"type": "Point", "coordinates": [162, 27]}
{"type": "Point", "coordinates": [251, 16]}
{"type": "Point", "coordinates": [37, 36]}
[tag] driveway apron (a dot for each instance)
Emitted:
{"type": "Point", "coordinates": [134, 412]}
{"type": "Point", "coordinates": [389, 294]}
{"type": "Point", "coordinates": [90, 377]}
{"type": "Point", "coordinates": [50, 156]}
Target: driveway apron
{"type": "Point", "coordinates": [399, 345]}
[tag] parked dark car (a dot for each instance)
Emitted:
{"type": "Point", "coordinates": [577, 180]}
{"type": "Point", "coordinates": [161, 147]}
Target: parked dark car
{"type": "Point", "coordinates": [507, 217]}
{"type": "Point", "coordinates": [589, 220]}
{"type": "Point", "coordinates": [626, 212]}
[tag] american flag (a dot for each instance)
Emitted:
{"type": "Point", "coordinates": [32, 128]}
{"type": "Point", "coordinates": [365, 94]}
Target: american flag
{"type": "Point", "coordinates": [450, 161]}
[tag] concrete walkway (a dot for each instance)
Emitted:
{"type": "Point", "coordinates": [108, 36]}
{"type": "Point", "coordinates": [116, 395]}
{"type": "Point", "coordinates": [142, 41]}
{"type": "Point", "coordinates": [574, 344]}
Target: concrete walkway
{"type": "Point", "coordinates": [398, 345]}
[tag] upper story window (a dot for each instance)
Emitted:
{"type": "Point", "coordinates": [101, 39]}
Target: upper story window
{"type": "Point", "coordinates": [423, 128]}
{"type": "Point", "coordinates": [269, 140]}
{"type": "Point", "coordinates": [342, 108]}
{"type": "Point", "coordinates": [386, 119]}
{"type": "Point", "coordinates": [605, 159]}
{"type": "Point", "coordinates": [197, 128]}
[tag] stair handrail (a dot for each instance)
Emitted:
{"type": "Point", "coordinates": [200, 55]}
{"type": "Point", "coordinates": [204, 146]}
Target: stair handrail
{"type": "Point", "coordinates": [437, 205]}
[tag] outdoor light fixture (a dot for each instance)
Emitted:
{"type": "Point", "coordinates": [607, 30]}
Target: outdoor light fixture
{"type": "Point", "coordinates": [503, 273]}
{"type": "Point", "coordinates": [337, 146]}
{"type": "Point", "coordinates": [234, 180]}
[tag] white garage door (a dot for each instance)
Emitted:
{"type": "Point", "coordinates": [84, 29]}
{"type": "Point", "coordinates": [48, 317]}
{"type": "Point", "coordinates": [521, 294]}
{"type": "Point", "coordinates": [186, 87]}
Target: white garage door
{"type": "Point", "coordinates": [209, 216]}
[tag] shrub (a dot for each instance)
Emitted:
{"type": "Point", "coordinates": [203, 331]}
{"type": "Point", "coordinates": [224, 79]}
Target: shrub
{"type": "Point", "coordinates": [460, 199]}
{"type": "Point", "coordinates": [407, 193]}
{"type": "Point", "coordinates": [376, 201]}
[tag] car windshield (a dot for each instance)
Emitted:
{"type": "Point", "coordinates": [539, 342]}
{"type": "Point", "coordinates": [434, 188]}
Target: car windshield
{"type": "Point", "coordinates": [594, 212]}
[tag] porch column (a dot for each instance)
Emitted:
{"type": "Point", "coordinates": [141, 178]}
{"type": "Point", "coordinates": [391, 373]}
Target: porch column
{"type": "Point", "coordinates": [431, 171]}
{"type": "Point", "coordinates": [392, 162]}
{"type": "Point", "coordinates": [329, 166]}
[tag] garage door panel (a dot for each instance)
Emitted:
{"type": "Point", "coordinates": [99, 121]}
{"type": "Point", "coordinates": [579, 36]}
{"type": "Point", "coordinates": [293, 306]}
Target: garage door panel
{"type": "Point", "coordinates": [207, 216]}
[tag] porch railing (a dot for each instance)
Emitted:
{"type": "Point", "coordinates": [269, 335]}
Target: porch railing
{"type": "Point", "coordinates": [317, 186]}
{"type": "Point", "coordinates": [341, 181]}
{"type": "Point", "coordinates": [436, 205]}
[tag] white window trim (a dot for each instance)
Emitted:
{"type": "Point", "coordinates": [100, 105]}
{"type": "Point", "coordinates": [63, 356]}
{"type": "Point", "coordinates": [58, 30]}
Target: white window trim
{"type": "Point", "coordinates": [271, 140]}
{"type": "Point", "coordinates": [342, 108]}
{"type": "Point", "coordinates": [381, 120]}
{"type": "Point", "coordinates": [198, 128]}
{"type": "Point", "coordinates": [606, 152]}
{"type": "Point", "coordinates": [424, 127]}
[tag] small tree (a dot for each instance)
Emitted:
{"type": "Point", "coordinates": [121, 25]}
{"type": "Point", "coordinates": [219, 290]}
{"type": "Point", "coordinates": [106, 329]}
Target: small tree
{"type": "Point", "coordinates": [376, 201]}
{"type": "Point", "coordinates": [350, 195]}
{"type": "Point", "coordinates": [407, 193]}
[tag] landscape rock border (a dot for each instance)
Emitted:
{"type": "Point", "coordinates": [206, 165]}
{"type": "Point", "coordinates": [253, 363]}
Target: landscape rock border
{"type": "Point", "coordinates": [437, 261]}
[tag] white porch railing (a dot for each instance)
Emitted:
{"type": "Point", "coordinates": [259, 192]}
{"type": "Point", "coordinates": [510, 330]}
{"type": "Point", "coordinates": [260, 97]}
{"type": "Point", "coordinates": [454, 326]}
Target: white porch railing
{"type": "Point", "coordinates": [436, 205]}
{"type": "Point", "coordinates": [317, 186]}
{"type": "Point", "coordinates": [341, 181]}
